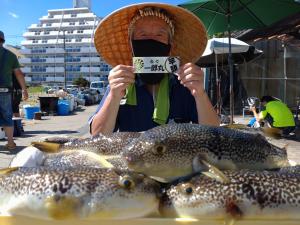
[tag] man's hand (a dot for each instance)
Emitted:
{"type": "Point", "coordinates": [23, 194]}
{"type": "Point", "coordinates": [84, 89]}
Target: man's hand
{"type": "Point", "coordinates": [120, 77]}
{"type": "Point", "coordinates": [253, 108]}
{"type": "Point", "coordinates": [25, 94]}
{"type": "Point", "coordinates": [192, 76]}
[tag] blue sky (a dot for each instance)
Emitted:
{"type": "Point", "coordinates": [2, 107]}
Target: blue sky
{"type": "Point", "coordinates": [17, 15]}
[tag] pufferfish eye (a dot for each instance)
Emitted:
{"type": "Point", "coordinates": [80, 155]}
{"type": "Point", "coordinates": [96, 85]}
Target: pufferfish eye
{"type": "Point", "coordinates": [187, 189]}
{"type": "Point", "coordinates": [126, 182]}
{"type": "Point", "coordinates": [159, 149]}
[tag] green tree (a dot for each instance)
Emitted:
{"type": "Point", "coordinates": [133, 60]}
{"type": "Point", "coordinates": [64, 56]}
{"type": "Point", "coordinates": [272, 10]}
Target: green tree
{"type": "Point", "coordinates": [81, 82]}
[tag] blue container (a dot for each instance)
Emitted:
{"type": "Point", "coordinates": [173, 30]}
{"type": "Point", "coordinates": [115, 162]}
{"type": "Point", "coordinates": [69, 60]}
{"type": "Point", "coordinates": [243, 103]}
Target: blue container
{"type": "Point", "coordinates": [29, 111]}
{"type": "Point", "coordinates": [63, 108]}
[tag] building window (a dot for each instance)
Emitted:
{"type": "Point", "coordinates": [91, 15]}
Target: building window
{"type": "Point", "coordinates": [48, 24]}
{"type": "Point", "coordinates": [72, 23]}
{"type": "Point", "coordinates": [78, 39]}
{"type": "Point", "coordinates": [35, 41]}
{"type": "Point", "coordinates": [80, 32]}
{"type": "Point", "coordinates": [44, 41]}
{"type": "Point", "coordinates": [70, 32]}
{"type": "Point", "coordinates": [73, 15]}
{"type": "Point", "coordinates": [38, 60]}
{"type": "Point", "coordinates": [37, 33]}
{"type": "Point", "coordinates": [68, 40]}
{"type": "Point", "coordinates": [81, 23]}
{"type": "Point", "coordinates": [46, 32]}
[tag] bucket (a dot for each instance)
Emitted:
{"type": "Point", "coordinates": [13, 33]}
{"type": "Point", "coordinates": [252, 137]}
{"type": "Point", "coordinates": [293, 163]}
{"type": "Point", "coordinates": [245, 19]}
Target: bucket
{"type": "Point", "coordinates": [18, 127]}
{"type": "Point", "coordinates": [37, 116]}
{"type": "Point", "coordinates": [63, 107]}
{"type": "Point", "coordinates": [2, 133]}
{"type": "Point", "coordinates": [29, 111]}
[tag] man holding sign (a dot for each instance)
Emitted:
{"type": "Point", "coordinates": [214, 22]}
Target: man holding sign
{"type": "Point", "coordinates": [152, 48]}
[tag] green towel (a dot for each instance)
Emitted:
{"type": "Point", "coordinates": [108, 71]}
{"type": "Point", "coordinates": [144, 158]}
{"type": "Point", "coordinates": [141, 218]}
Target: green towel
{"type": "Point", "coordinates": [162, 104]}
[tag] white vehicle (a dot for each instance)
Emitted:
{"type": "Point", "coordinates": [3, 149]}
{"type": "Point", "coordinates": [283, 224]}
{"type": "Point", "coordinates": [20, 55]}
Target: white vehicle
{"type": "Point", "coordinates": [99, 86]}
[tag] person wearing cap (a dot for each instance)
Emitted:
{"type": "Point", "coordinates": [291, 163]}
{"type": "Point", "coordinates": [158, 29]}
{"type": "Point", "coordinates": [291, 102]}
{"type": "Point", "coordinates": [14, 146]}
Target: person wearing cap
{"type": "Point", "coordinates": [276, 113]}
{"type": "Point", "coordinates": [138, 102]}
{"type": "Point", "coordinates": [9, 65]}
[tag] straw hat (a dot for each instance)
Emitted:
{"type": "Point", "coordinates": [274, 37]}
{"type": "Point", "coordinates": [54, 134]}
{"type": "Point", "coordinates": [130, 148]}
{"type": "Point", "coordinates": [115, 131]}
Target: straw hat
{"type": "Point", "coordinates": [112, 41]}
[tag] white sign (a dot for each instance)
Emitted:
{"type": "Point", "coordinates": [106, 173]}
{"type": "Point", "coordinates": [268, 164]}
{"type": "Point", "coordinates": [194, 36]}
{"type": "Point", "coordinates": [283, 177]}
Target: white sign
{"type": "Point", "coordinates": [169, 64]}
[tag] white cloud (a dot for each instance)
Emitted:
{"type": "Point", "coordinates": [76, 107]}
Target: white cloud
{"type": "Point", "coordinates": [13, 15]}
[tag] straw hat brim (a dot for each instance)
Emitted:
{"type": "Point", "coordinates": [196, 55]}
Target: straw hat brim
{"type": "Point", "coordinates": [112, 41]}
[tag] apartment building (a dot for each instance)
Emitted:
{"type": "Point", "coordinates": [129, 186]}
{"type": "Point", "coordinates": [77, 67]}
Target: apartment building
{"type": "Point", "coordinates": [60, 47]}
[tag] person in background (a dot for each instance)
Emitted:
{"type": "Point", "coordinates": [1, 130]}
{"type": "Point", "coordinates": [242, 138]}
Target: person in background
{"type": "Point", "coordinates": [8, 65]}
{"type": "Point", "coordinates": [16, 96]}
{"type": "Point", "coordinates": [138, 102]}
{"type": "Point", "coordinates": [276, 113]}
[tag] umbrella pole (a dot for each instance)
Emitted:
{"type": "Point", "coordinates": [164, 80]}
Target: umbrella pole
{"type": "Point", "coordinates": [217, 86]}
{"type": "Point", "coordinates": [231, 93]}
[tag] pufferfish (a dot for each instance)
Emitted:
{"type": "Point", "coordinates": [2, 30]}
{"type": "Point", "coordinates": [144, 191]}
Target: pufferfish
{"type": "Point", "coordinates": [246, 194]}
{"type": "Point", "coordinates": [71, 193]}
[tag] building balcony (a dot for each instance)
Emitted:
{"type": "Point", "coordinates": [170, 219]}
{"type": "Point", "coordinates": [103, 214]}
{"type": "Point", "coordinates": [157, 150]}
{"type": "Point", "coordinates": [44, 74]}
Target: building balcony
{"type": "Point", "coordinates": [27, 79]}
{"type": "Point", "coordinates": [25, 51]}
{"type": "Point", "coordinates": [90, 60]}
{"type": "Point", "coordinates": [24, 60]}
{"type": "Point", "coordinates": [26, 69]}
{"type": "Point", "coordinates": [55, 79]}
{"type": "Point", "coordinates": [54, 69]}
{"type": "Point", "coordinates": [45, 60]}
{"type": "Point", "coordinates": [90, 69]}
{"type": "Point", "coordinates": [67, 17]}
{"type": "Point", "coordinates": [88, 50]}
{"type": "Point", "coordinates": [35, 26]}
{"type": "Point", "coordinates": [42, 51]}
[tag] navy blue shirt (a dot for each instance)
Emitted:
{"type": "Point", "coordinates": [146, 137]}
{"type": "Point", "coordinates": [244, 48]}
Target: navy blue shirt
{"type": "Point", "coordinates": [139, 117]}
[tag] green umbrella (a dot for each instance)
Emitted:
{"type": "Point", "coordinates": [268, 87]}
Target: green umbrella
{"type": "Point", "coordinates": [245, 14]}
{"type": "Point", "coordinates": [227, 15]}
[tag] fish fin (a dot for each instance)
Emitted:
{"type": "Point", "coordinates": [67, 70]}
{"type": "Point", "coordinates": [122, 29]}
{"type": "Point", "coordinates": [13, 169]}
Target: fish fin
{"type": "Point", "coordinates": [285, 147]}
{"type": "Point", "coordinates": [160, 179]}
{"type": "Point", "coordinates": [201, 165]}
{"type": "Point", "coordinates": [6, 171]}
{"type": "Point", "coordinates": [60, 139]}
{"type": "Point", "coordinates": [197, 164]}
{"type": "Point", "coordinates": [106, 157]}
{"type": "Point", "coordinates": [100, 158]}
{"type": "Point", "coordinates": [46, 146]}
{"type": "Point", "coordinates": [233, 213]}
{"type": "Point", "coordinates": [229, 221]}
{"type": "Point", "coordinates": [272, 132]}
{"type": "Point", "coordinates": [236, 126]}
{"type": "Point", "coordinates": [63, 207]}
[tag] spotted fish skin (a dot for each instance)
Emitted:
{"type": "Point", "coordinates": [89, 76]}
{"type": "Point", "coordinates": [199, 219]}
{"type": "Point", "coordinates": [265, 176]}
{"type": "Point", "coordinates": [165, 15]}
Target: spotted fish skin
{"type": "Point", "coordinates": [248, 195]}
{"type": "Point", "coordinates": [168, 151]}
{"type": "Point", "coordinates": [111, 144]}
{"type": "Point", "coordinates": [290, 169]}
{"type": "Point", "coordinates": [65, 193]}
{"type": "Point", "coordinates": [82, 159]}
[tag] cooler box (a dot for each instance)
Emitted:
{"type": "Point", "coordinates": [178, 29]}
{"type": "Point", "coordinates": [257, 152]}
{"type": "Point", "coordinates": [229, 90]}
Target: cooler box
{"type": "Point", "coordinates": [29, 111]}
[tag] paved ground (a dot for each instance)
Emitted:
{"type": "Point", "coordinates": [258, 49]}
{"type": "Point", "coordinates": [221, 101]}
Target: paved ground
{"type": "Point", "coordinates": [73, 125]}
{"type": "Point", "coordinates": [76, 125]}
